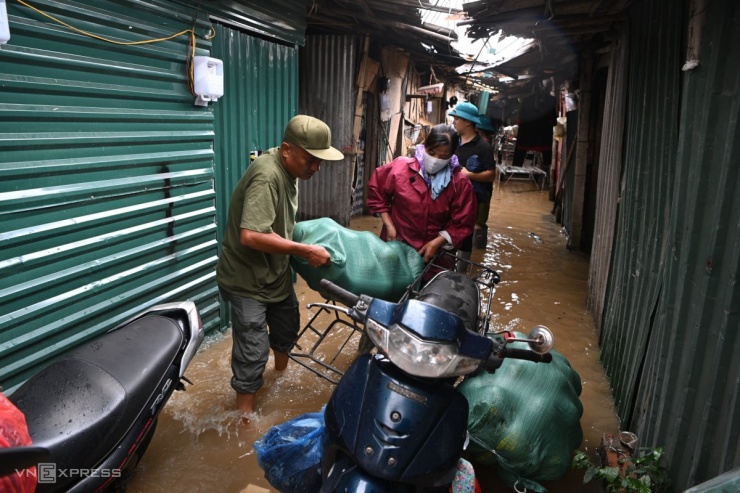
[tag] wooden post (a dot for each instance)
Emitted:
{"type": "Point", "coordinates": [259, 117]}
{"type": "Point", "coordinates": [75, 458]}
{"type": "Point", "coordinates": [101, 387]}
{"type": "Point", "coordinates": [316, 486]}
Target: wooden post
{"type": "Point", "coordinates": [365, 77]}
{"type": "Point", "coordinates": [582, 150]}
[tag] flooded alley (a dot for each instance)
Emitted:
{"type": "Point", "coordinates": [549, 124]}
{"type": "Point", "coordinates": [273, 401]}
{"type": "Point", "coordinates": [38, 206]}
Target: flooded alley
{"type": "Point", "coordinates": [199, 447]}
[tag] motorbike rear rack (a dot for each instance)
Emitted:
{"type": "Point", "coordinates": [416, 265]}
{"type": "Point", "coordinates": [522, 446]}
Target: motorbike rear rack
{"type": "Point", "coordinates": [330, 325]}
{"type": "Point", "coordinates": [325, 325]}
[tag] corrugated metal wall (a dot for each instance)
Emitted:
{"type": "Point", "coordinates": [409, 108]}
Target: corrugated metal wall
{"type": "Point", "coordinates": [106, 178]}
{"type": "Point", "coordinates": [361, 179]}
{"type": "Point", "coordinates": [261, 95]}
{"type": "Point", "coordinates": [610, 169]}
{"type": "Point", "coordinates": [645, 197]}
{"type": "Point", "coordinates": [328, 91]}
{"type": "Point", "coordinates": [688, 396]}
{"type": "Point", "coordinates": [284, 20]}
{"type": "Point", "coordinates": [672, 310]}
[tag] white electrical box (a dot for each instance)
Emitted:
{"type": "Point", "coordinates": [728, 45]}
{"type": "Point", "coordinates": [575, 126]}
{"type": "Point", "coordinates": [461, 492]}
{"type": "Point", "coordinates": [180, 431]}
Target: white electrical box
{"type": "Point", "coordinates": [4, 26]}
{"type": "Point", "coordinates": [208, 83]}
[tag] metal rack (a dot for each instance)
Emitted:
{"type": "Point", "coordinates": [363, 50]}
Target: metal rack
{"type": "Point", "coordinates": [325, 327]}
{"type": "Point", "coordinates": [530, 170]}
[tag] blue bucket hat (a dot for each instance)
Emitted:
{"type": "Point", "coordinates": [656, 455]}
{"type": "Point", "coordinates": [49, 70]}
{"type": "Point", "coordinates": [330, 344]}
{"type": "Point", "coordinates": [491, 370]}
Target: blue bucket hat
{"type": "Point", "coordinates": [466, 111]}
{"type": "Point", "coordinates": [485, 123]}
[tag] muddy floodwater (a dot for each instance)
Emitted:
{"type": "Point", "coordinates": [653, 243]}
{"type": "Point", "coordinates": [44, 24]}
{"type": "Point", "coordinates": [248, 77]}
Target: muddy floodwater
{"type": "Point", "coordinates": [200, 447]}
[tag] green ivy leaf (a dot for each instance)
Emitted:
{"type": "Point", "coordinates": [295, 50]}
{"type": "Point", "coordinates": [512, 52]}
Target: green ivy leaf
{"type": "Point", "coordinates": [590, 473]}
{"type": "Point", "coordinates": [636, 485]}
{"type": "Point", "coordinates": [581, 460]}
{"type": "Point", "coordinates": [610, 473]}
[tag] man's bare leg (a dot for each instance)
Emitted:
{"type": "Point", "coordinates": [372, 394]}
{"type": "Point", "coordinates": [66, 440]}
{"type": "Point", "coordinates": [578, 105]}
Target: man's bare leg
{"type": "Point", "coordinates": [245, 402]}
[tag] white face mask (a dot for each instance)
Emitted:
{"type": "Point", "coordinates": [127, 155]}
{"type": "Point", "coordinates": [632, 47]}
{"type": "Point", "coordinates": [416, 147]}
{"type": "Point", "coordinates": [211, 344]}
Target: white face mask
{"type": "Point", "coordinates": [434, 165]}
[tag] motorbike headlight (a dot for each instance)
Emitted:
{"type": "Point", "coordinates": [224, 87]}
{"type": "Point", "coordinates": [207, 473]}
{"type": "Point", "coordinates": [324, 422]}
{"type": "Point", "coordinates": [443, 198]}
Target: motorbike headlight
{"type": "Point", "coordinates": [417, 356]}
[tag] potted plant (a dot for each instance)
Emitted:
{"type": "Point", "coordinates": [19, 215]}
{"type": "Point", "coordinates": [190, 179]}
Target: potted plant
{"type": "Point", "coordinates": [640, 474]}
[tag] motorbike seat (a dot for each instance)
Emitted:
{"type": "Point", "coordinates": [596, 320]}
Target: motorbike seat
{"type": "Point", "coordinates": [82, 405]}
{"type": "Point", "coordinates": [456, 293]}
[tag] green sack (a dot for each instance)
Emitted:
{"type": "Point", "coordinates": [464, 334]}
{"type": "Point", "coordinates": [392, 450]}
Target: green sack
{"type": "Point", "coordinates": [360, 261]}
{"type": "Point", "coordinates": [529, 414]}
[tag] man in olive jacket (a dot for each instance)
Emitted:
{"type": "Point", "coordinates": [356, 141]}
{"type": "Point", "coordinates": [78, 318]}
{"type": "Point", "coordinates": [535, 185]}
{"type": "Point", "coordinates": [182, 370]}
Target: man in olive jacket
{"type": "Point", "coordinates": [253, 272]}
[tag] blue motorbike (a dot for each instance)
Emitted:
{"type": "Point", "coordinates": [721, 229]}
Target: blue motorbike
{"type": "Point", "coordinates": [396, 422]}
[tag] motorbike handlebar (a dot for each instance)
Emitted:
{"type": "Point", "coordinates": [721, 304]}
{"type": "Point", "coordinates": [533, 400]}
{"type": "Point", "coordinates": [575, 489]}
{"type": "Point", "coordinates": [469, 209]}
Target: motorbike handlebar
{"type": "Point", "coordinates": [511, 352]}
{"type": "Point", "coordinates": [502, 351]}
{"type": "Point", "coordinates": [338, 293]}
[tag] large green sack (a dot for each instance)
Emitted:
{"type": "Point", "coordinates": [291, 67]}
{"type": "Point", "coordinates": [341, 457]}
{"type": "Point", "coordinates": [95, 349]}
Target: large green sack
{"type": "Point", "coordinates": [360, 261]}
{"type": "Point", "coordinates": [529, 414]}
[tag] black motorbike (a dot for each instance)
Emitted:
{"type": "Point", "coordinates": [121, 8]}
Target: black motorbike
{"type": "Point", "coordinates": [92, 412]}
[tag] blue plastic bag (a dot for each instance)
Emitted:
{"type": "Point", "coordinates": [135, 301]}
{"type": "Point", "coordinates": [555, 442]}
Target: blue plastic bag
{"type": "Point", "coordinates": [290, 454]}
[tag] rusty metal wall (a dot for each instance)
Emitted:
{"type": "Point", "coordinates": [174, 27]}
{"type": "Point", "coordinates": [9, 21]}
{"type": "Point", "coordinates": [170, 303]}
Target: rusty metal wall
{"type": "Point", "coordinates": [327, 90]}
{"type": "Point", "coordinates": [361, 179]}
{"type": "Point", "coordinates": [610, 169]}
{"type": "Point", "coordinates": [672, 308]}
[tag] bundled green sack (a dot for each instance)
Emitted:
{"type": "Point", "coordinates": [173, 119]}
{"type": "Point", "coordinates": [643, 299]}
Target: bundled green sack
{"type": "Point", "coordinates": [530, 415]}
{"type": "Point", "coordinates": [360, 261]}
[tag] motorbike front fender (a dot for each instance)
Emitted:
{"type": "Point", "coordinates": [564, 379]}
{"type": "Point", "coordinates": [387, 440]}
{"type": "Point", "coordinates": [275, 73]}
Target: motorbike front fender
{"type": "Point", "coordinates": [395, 426]}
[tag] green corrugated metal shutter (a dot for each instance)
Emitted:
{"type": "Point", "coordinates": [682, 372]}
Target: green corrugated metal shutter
{"type": "Point", "coordinates": [261, 88]}
{"type": "Point", "coordinates": [107, 203]}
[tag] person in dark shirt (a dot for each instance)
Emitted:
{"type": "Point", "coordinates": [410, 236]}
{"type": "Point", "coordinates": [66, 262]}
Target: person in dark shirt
{"type": "Point", "coordinates": [487, 129]}
{"type": "Point", "coordinates": [476, 158]}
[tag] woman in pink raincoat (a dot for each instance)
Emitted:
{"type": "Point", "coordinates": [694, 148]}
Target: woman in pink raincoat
{"type": "Point", "coordinates": [425, 201]}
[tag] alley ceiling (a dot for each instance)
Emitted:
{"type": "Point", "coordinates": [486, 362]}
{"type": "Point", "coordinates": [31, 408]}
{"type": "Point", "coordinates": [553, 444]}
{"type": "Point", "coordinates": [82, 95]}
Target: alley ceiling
{"type": "Point", "coordinates": [393, 23]}
{"type": "Point", "coordinates": [561, 30]}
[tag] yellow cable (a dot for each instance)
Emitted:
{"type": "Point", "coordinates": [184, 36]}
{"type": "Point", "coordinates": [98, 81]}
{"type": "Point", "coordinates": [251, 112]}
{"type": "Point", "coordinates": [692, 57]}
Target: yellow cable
{"type": "Point", "coordinates": [86, 33]}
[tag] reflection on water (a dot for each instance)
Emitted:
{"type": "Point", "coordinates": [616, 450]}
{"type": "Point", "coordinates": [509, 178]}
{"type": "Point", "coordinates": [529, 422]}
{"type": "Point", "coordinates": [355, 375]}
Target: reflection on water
{"type": "Point", "coordinates": [200, 445]}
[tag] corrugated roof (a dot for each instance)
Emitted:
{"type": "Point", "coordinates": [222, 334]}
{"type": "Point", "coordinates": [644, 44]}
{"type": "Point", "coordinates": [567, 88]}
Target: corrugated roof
{"type": "Point", "coordinates": [398, 23]}
{"type": "Point", "coordinates": [560, 29]}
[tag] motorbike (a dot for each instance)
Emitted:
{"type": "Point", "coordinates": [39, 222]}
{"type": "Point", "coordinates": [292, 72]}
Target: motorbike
{"type": "Point", "coordinates": [395, 421]}
{"type": "Point", "coordinates": [92, 412]}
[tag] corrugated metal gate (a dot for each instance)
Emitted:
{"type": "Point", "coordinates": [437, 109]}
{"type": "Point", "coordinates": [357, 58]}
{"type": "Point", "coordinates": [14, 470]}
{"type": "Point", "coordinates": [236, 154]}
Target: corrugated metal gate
{"type": "Point", "coordinates": [106, 177]}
